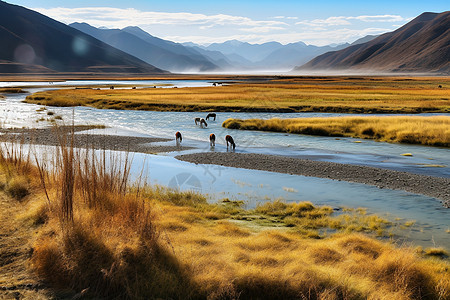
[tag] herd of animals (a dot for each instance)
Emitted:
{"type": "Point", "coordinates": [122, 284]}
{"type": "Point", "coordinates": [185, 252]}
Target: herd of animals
{"type": "Point", "coordinates": [212, 136]}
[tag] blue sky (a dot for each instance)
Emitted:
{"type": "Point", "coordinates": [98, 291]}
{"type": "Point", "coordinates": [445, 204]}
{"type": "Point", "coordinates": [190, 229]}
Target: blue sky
{"type": "Point", "coordinates": [317, 22]}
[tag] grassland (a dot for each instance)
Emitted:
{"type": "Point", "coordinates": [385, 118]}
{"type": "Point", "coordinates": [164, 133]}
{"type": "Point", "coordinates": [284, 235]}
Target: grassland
{"type": "Point", "coordinates": [277, 94]}
{"type": "Point", "coordinates": [433, 131]}
{"type": "Point", "coordinates": [99, 236]}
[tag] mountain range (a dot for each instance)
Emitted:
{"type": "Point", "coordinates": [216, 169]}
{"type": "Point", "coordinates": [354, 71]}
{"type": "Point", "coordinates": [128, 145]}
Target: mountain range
{"type": "Point", "coordinates": [32, 42]}
{"type": "Point", "coordinates": [190, 57]}
{"type": "Point", "coordinates": [422, 45]}
{"type": "Point", "coordinates": [267, 56]}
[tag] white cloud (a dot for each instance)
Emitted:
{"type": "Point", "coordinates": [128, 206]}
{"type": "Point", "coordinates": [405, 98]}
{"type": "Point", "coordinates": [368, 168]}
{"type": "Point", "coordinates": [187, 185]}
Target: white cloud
{"type": "Point", "coordinates": [338, 21]}
{"type": "Point", "coordinates": [262, 29]}
{"type": "Point", "coordinates": [331, 21]}
{"type": "Point", "coordinates": [117, 17]}
{"type": "Point", "coordinates": [204, 29]}
{"type": "Point", "coordinates": [284, 17]}
{"type": "Point", "coordinates": [379, 18]}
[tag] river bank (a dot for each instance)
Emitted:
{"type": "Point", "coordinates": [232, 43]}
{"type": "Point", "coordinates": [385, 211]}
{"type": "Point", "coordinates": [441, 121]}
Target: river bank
{"type": "Point", "coordinates": [383, 178]}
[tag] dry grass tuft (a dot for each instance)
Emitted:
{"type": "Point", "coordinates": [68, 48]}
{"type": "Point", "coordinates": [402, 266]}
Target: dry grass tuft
{"type": "Point", "coordinates": [18, 187]}
{"type": "Point", "coordinates": [326, 256]}
{"type": "Point", "coordinates": [439, 252]}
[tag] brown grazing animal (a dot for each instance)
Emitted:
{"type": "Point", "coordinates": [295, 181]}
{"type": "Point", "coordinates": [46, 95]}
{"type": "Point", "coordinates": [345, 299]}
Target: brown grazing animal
{"type": "Point", "coordinates": [211, 115]}
{"type": "Point", "coordinates": [212, 140]}
{"type": "Point", "coordinates": [230, 140]}
{"type": "Point", "coordinates": [178, 137]}
{"type": "Point", "coordinates": [201, 121]}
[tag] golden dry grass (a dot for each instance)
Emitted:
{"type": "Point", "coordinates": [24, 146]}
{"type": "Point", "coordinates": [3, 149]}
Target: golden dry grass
{"type": "Point", "coordinates": [434, 130]}
{"type": "Point", "coordinates": [196, 256]}
{"type": "Point", "coordinates": [235, 258]}
{"type": "Point", "coordinates": [201, 251]}
{"type": "Point", "coordinates": [19, 193]}
{"type": "Point", "coordinates": [334, 94]}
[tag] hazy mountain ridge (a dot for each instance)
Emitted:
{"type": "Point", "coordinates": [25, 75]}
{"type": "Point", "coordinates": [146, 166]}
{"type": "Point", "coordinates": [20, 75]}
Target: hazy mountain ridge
{"type": "Point", "coordinates": [228, 56]}
{"type": "Point", "coordinates": [295, 54]}
{"type": "Point", "coordinates": [161, 53]}
{"type": "Point", "coordinates": [266, 56]}
{"type": "Point", "coordinates": [422, 45]}
{"type": "Point", "coordinates": [251, 52]}
{"type": "Point", "coordinates": [32, 42]}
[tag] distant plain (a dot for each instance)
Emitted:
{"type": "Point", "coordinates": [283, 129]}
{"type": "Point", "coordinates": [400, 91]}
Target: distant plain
{"type": "Point", "coordinates": [271, 94]}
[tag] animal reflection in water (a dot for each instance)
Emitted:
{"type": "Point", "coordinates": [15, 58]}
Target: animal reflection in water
{"type": "Point", "coordinates": [212, 140]}
{"type": "Point", "coordinates": [178, 138]}
{"type": "Point", "coordinates": [211, 115]}
{"type": "Point", "coordinates": [230, 140]}
{"type": "Point", "coordinates": [200, 121]}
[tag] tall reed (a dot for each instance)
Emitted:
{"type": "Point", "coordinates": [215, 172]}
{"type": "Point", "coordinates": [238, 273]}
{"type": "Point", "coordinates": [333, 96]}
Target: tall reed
{"type": "Point", "coordinates": [106, 227]}
{"type": "Point", "coordinates": [66, 170]}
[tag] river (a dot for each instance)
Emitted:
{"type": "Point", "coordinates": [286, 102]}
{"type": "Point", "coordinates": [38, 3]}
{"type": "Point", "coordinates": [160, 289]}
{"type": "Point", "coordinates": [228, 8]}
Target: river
{"type": "Point", "coordinates": [252, 186]}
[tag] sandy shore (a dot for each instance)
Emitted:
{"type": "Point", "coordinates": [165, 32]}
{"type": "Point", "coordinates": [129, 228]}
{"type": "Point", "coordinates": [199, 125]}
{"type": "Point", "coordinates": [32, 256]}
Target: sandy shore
{"type": "Point", "coordinates": [48, 136]}
{"type": "Point", "coordinates": [437, 187]}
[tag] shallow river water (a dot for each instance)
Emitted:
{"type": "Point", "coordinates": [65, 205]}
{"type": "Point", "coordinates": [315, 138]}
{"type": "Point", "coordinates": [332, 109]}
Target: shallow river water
{"type": "Point", "coordinates": [432, 220]}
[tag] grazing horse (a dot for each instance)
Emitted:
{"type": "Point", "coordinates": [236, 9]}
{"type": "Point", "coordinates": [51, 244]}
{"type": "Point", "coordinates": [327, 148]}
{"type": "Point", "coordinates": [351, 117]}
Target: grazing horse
{"type": "Point", "coordinates": [230, 140]}
{"type": "Point", "coordinates": [211, 115]}
{"type": "Point", "coordinates": [178, 138]}
{"type": "Point", "coordinates": [212, 140]}
{"type": "Point", "coordinates": [201, 121]}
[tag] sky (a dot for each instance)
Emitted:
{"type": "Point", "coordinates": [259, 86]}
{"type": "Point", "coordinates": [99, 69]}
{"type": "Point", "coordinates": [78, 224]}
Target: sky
{"type": "Point", "coordinates": [314, 22]}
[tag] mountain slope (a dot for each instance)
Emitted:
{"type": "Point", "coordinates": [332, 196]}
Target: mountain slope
{"type": "Point", "coordinates": [422, 45]}
{"type": "Point", "coordinates": [217, 57]}
{"type": "Point", "coordinates": [163, 54]}
{"type": "Point", "coordinates": [33, 42]}
{"type": "Point", "coordinates": [251, 52]}
{"type": "Point", "coordinates": [202, 62]}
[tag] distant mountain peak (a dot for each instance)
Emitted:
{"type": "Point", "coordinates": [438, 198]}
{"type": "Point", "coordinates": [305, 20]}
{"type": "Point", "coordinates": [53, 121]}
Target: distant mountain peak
{"type": "Point", "coordinates": [234, 43]}
{"type": "Point", "coordinates": [135, 28]}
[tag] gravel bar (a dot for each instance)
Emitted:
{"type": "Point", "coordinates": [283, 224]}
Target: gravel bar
{"type": "Point", "coordinates": [437, 187]}
{"type": "Point", "coordinates": [52, 137]}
